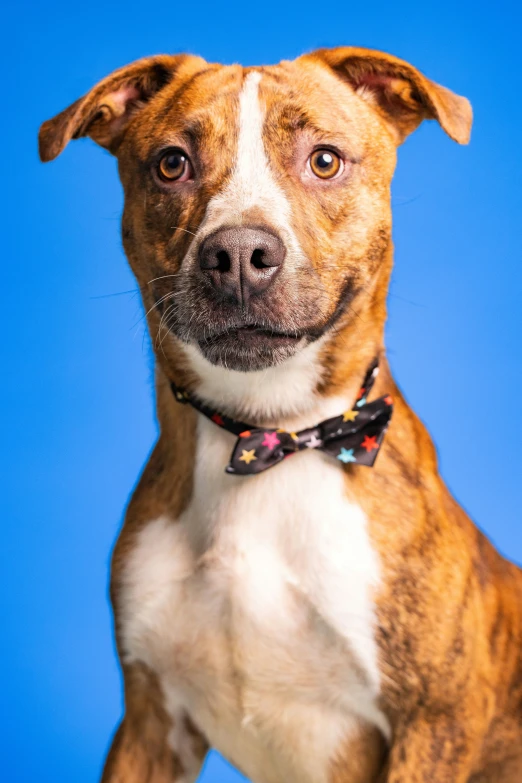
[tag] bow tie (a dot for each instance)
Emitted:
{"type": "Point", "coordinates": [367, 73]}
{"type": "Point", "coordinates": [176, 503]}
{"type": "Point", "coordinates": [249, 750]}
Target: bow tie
{"type": "Point", "coordinates": [353, 437]}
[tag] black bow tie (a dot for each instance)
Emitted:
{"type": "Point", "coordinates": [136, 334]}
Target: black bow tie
{"type": "Point", "coordinates": [354, 436]}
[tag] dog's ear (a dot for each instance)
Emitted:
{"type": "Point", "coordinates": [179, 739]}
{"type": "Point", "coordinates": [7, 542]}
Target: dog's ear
{"type": "Point", "coordinates": [104, 112]}
{"type": "Point", "coordinates": [402, 95]}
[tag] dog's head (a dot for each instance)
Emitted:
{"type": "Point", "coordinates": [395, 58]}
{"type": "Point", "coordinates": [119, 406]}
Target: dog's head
{"type": "Point", "coordinates": [257, 200]}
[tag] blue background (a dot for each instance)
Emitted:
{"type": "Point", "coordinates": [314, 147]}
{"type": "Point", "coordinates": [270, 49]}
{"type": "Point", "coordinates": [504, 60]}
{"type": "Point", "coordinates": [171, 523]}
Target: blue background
{"type": "Point", "coordinates": [76, 393]}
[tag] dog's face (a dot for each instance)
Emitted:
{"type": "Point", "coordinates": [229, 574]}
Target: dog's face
{"type": "Point", "coordinates": [257, 207]}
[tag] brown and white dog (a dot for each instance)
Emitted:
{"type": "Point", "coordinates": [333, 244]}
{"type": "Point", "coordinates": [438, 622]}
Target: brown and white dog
{"type": "Point", "coordinates": [320, 622]}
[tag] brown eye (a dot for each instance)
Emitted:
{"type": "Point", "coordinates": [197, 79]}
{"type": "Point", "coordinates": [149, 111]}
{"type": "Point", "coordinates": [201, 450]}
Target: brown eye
{"type": "Point", "coordinates": [325, 164]}
{"type": "Point", "coordinates": [173, 166]}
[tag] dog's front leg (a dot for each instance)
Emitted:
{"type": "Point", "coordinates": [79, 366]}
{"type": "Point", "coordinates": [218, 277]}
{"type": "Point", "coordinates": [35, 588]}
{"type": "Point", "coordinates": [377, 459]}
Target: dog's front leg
{"type": "Point", "coordinates": [150, 746]}
{"type": "Point", "coordinates": [439, 749]}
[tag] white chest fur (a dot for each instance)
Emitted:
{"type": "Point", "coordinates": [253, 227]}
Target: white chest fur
{"type": "Point", "coordinates": [255, 610]}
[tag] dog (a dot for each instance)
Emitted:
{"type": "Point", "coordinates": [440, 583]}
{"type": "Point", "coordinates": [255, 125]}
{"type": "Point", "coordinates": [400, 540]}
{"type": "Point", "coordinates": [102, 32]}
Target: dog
{"type": "Point", "coordinates": [314, 613]}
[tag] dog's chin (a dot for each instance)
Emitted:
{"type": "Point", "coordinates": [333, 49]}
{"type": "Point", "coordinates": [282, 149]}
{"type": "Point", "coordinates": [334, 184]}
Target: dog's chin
{"type": "Point", "coordinates": [248, 349]}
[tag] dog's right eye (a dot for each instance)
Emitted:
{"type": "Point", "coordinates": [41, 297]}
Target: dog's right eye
{"type": "Point", "coordinates": [174, 166]}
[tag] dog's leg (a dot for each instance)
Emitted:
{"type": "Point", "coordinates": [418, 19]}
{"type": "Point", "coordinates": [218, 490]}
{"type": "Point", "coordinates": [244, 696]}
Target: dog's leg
{"type": "Point", "coordinates": [438, 750]}
{"type": "Point", "coordinates": [149, 746]}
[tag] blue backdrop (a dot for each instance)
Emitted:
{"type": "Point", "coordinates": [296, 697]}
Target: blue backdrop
{"type": "Point", "coordinates": [76, 389]}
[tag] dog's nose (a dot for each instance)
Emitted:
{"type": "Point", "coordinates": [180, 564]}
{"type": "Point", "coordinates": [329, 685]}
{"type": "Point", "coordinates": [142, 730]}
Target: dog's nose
{"type": "Point", "coordinates": [240, 261]}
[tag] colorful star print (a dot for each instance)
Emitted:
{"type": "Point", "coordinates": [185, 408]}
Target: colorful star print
{"type": "Point", "coordinates": [217, 419]}
{"type": "Point", "coordinates": [245, 434]}
{"type": "Point", "coordinates": [388, 400]}
{"type": "Point", "coordinates": [369, 443]}
{"type": "Point", "coordinates": [248, 456]}
{"type": "Point", "coordinates": [271, 440]}
{"type": "Point", "coordinates": [314, 442]}
{"type": "Point", "coordinates": [346, 455]}
{"type": "Point", "coordinates": [350, 415]}
{"type": "Point", "coordinates": [361, 402]}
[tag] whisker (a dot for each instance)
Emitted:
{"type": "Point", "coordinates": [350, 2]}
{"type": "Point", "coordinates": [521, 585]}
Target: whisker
{"type": "Point", "coordinates": [155, 304]}
{"type": "Point", "coordinates": [118, 293]}
{"type": "Point", "coordinates": [162, 277]}
{"type": "Point", "coordinates": [178, 228]}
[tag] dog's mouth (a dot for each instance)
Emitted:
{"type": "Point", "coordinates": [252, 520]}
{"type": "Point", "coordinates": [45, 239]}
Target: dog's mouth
{"type": "Point", "coordinates": [250, 346]}
{"type": "Point", "coordinates": [256, 332]}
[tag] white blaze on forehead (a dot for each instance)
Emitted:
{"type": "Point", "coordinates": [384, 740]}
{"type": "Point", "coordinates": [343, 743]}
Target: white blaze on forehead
{"type": "Point", "coordinates": [252, 183]}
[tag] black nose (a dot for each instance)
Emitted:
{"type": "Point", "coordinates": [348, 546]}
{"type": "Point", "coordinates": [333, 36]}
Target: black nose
{"type": "Point", "coordinates": [241, 262]}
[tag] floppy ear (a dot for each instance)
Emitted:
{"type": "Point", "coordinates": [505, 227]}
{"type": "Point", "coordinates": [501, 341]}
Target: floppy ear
{"type": "Point", "coordinates": [104, 113]}
{"type": "Point", "coordinates": [402, 95]}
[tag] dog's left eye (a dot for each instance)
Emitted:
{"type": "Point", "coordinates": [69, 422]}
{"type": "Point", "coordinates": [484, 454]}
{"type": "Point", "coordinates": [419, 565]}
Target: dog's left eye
{"type": "Point", "coordinates": [325, 164]}
{"type": "Point", "coordinates": [174, 166]}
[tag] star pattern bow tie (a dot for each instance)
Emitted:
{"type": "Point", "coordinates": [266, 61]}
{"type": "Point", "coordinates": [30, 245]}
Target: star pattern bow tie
{"type": "Point", "coordinates": [353, 437]}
